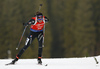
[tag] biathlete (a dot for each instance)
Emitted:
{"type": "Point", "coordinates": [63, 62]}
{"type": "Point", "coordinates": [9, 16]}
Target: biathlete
{"type": "Point", "coordinates": [36, 31]}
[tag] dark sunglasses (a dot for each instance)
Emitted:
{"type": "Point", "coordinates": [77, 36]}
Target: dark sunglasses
{"type": "Point", "coordinates": [40, 19]}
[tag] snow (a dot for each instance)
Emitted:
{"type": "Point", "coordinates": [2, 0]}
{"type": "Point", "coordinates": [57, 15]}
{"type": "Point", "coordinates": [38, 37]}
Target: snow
{"type": "Point", "coordinates": [53, 63]}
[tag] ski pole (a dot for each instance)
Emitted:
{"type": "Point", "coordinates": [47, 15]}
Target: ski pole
{"type": "Point", "coordinates": [43, 28]}
{"type": "Point", "coordinates": [40, 7]}
{"type": "Point", "coordinates": [21, 38]}
{"type": "Point", "coordinates": [43, 35]}
{"type": "Point", "coordinates": [96, 60]}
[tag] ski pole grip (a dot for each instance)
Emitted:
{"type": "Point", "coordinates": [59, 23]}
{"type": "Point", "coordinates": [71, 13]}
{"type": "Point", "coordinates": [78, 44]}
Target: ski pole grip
{"type": "Point", "coordinates": [40, 4]}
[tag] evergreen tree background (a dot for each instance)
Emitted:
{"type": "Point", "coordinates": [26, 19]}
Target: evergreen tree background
{"type": "Point", "coordinates": [73, 29]}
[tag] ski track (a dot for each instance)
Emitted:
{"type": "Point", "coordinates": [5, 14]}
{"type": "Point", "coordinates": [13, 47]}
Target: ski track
{"type": "Point", "coordinates": [53, 63]}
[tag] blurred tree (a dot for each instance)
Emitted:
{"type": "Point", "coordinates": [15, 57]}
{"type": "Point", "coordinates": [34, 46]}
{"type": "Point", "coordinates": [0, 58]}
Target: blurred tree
{"type": "Point", "coordinates": [84, 30]}
{"type": "Point", "coordinates": [73, 29]}
{"type": "Point", "coordinates": [61, 16]}
{"type": "Point", "coordinates": [96, 20]}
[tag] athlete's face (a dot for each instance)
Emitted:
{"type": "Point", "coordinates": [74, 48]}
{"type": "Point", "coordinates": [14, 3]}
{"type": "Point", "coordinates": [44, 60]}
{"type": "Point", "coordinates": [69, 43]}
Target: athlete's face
{"type": "Point", "coordinates": [40, 19]}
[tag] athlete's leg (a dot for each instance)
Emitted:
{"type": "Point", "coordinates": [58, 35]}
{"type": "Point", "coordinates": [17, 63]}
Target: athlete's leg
{"type": "Point", "coordinates": [29, 40]}
{"type": "Point", "coordinates": [40, 48]}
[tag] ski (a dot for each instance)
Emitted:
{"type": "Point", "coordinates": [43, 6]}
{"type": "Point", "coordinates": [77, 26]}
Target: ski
{"type": "Point", "coordinates": [46, 64]}
{"type": "Point", "coordinates": [43, 64]}
{"type": "Point", "coordinates": [10, 63]}
{"type": "Point", "coordinates": [37, 64]}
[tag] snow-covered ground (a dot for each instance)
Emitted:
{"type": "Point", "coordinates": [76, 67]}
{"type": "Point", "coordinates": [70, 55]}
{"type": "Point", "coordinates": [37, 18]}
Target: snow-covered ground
{"type": "Point", "coordinates": [53, 63]}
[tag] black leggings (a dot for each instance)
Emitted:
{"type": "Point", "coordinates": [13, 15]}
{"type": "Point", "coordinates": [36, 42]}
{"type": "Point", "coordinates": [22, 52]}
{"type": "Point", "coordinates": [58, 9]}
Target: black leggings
{"type": "Point", "coordinates": [30, 38]}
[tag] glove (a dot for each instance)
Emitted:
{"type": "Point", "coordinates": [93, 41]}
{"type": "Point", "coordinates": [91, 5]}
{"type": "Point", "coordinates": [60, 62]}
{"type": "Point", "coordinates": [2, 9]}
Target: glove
{"type": "Point", "coordinates": [25, 24]}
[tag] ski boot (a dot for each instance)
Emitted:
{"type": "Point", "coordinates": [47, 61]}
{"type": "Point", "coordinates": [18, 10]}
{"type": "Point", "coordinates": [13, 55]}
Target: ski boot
{"type": "Point", "coordinates": [16, 59]}
{"type": "Point", "coordinates": [39, 61]}
{"type": "Point", "coordinates": [13, 62]}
